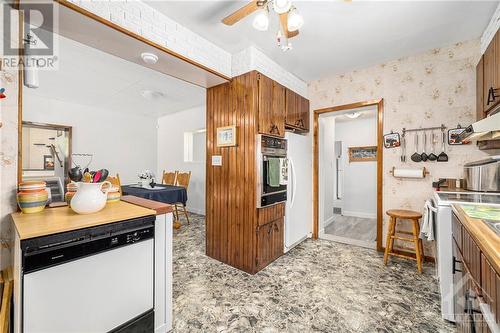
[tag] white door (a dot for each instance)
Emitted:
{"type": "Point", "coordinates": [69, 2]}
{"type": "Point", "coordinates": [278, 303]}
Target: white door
{"type": "Point", "coordinates": [298, 213]}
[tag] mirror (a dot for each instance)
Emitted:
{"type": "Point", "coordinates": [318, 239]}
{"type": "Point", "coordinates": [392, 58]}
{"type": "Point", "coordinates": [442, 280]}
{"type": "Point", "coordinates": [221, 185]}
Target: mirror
{"type": "Point", "coordinates": [47, 155]}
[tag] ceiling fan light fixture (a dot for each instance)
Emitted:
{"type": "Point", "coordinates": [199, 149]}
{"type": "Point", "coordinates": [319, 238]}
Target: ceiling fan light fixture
{"type": "Point", "coordinates": [295, 20]}
{"type": "Point", "coordinates": [282, 6]}
{"type": "Point", "coordinates": [261, 20]}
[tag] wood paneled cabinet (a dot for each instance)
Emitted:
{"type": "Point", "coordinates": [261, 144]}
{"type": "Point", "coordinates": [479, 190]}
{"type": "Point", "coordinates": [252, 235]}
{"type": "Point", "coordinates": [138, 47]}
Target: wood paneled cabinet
{"type": "Point", "coordinates": [237, 232]}
{"type": "Point", "coordinates": [491, 74]}
{"type": "Point", "coordinates": [297, 112]}
{"type": "Point", "coordinates": [475, 282]}
{"type": "Point", "coordinates": [270, 243]}
{"type": "Point", "coordinates": [271, 106]}
{"type": "Point", "coordinates": [488, 86]}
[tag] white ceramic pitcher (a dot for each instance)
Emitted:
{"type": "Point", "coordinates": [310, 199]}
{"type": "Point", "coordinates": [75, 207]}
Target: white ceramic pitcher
{"type": "Point", "coordinates": [90, 197]}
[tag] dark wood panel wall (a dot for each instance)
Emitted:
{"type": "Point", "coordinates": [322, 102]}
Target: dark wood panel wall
{"type": "Point", "coordinates": [230, 189]}
{"type": "Point", "coordinates": [237, 233]}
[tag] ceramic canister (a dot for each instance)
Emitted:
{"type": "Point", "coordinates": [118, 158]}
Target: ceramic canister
{"type": "Point", "coordinates": [114, 196]}
{"type": "Point", "coordinates": [32, 201]}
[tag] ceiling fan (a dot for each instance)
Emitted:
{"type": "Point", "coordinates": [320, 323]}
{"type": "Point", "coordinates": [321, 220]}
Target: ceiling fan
{"type": "Point", "coordinates": [290, 20]}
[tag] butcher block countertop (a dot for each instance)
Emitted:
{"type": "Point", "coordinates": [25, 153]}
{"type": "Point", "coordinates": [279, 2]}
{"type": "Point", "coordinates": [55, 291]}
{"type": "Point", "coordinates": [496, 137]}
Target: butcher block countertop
{"type": "Point", "coordinates": [55, 220]}
{"type": "Point", "coordinates": [485, 237]}
{"type": "Point", "coordinates": [159, 207]}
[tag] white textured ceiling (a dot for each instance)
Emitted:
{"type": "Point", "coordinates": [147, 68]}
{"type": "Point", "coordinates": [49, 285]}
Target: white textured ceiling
{"type": "Point", "coordinates": [340, 36]}
{"type": "Point", "coordinates": [88, 76]}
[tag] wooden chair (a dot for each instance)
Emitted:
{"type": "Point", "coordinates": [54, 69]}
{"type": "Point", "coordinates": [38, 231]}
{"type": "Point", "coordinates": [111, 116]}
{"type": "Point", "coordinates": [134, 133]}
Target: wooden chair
{"type": "Point", "coordinates": [415, 233]}
{"type": "Point", "coordinates": [169, 178]}
{"type": "Point", "coordinates": [182, 180]}
{"type": "Point", "coordinates": [115, 181]}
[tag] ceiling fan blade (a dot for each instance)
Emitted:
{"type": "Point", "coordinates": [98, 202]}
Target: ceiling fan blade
{"type": "Point", "coordinates": [284, 26]}
{"type": "Point", "coordinates": [243, 12]}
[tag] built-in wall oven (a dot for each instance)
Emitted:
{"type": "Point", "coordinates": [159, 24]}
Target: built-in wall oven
{"type": "Point", "coordinates": [272, 170]}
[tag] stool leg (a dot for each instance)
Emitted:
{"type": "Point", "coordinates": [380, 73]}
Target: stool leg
{"type": "Point", "coordinates": [421, 244]}
{"type": "Point", "coordinates": [389, 240]}
{"type": "Point", "coordinates": [417, 241]}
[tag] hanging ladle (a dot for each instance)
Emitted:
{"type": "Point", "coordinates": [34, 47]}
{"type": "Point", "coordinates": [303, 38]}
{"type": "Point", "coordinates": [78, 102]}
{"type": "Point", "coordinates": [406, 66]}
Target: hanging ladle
{"type": "Point", "coordinates": [432, 156]}
{"type": "Point", "coordinates": [424, 155]}
{"type": "Point", "coordinates": [416, 157]}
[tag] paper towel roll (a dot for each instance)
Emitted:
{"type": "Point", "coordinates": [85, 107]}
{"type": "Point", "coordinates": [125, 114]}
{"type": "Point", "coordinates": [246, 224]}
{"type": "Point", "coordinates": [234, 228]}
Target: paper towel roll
{"type": "Point", "coordinates": [409, 173]}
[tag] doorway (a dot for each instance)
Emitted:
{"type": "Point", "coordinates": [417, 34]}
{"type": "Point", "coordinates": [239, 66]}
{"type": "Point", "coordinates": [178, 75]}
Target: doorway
{"type": "Point", "coordinates": [347, 175]}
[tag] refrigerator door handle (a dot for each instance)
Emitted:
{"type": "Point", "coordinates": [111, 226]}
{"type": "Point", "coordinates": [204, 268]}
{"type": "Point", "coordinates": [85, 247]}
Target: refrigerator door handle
{"type": "Point", "coordinates": [294, 181]}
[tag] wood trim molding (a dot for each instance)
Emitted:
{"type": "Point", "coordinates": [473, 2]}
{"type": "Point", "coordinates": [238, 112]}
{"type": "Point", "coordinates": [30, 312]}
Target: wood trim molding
{"type": "Point", "coordinates": [116, 27]}
{"type": "Point", "coordinates": [380, 144]}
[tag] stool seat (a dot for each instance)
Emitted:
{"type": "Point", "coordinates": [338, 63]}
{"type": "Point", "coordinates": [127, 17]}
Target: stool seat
{"type": "Point", "coordinates": [403, 214]}
{"type": "Point", "coordinates": [413, 217]}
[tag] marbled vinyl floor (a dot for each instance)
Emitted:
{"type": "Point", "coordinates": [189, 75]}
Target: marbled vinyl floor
{"type": "Point", "coordinates": [319, 286]}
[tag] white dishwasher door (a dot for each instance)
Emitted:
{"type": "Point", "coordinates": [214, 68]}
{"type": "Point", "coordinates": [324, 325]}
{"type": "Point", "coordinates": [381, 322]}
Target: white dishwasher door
{"type": "Point", "coordinates": [94, 294]}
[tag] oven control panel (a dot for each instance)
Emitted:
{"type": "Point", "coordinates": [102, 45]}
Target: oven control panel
{"type": "Point", "coordinates": [272, 142]}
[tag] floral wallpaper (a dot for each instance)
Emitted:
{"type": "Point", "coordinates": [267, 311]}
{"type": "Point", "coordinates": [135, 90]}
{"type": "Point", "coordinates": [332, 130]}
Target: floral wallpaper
{"type": "Point", "coordinates": [428, 89]}
{"type": "Point", "coordinates": [8, 157]}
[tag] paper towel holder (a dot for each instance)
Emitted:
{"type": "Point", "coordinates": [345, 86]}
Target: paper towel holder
{"type": "Point", "coordinates": [424, 172]}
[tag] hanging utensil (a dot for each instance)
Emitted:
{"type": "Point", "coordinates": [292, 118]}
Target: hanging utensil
{"type": "Point", "coordinates": [403, 147]}
{"type": "Point", "coordinates": [416, 156]}
{"type": "Point", "coordinates": [443, 157]}
{"type": "Point", "coordinates": [432, 156]}
{"type": "Point", "coordinates": [424, 156]}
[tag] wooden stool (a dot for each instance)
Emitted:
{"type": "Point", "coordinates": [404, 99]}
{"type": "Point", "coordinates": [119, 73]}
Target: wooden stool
{"type": "Point", "coordinates": [391, 236]}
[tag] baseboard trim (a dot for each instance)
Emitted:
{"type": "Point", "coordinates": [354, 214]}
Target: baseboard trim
{"type": "Point", "coordinates": [359, 214]}
{"type": "Point", "coordinates": [328, 222]}
{"type": "Point", "coordinates": [195, 210]}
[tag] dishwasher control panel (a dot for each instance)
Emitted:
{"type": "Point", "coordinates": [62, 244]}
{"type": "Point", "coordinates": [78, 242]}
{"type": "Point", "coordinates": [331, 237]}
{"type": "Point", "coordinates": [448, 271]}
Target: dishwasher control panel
{"type": "Point", "coordinates": [53, 250]}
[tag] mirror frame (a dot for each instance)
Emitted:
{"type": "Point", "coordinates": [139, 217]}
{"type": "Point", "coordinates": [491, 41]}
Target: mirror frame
{"type": "Point", "coordinates": [24, 123]}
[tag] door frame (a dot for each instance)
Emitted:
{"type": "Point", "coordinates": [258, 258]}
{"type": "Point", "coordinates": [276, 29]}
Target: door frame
{"type": "Point", "coordinates": [380, 137]}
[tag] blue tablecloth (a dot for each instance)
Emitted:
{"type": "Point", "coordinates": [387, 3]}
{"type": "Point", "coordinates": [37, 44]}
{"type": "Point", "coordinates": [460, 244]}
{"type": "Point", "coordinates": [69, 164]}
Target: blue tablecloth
{"type": "Point", "coordinates": [163, 193]}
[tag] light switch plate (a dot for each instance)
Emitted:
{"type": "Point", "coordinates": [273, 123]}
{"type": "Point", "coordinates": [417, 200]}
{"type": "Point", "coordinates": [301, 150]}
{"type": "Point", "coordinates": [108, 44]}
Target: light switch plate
{"type": "Point", "coordinates": [216, 160]}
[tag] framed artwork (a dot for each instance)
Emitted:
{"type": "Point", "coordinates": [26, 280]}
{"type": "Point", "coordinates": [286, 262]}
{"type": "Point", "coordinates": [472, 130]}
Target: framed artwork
{"type": "Point", "coordinates": [362, 154]}
{"type": "Point", "coordinates": [392, 140]}
{"type": "Point", "coordinates": [453, 138]}
{"type": "Point", "coordinates": [48, 162]}
{"type": "Point", "coordinates": [226, 136]}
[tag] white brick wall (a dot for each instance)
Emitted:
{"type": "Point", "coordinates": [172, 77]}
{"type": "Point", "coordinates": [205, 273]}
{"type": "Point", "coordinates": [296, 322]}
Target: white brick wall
{"type": "Point", "coordinates": [491, 30]}
{"type": "Point", "coordinates": [253, 59]}
{"type": "Point", "coordinates": [149, 23]}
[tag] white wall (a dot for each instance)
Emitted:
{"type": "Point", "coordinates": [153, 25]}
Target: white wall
{"type": "Point", "coordinates": [171, 129]}
{"type": "Point", "coordinates": [121, 142]}
{"type": "Point", "coordinates": [359, 197]}
{"type": "Point", "coordinates": [326, 170]}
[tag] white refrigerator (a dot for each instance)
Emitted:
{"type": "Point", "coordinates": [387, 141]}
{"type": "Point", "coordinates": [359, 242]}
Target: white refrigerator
{"type": "Point", "coordinates": [298, 212]}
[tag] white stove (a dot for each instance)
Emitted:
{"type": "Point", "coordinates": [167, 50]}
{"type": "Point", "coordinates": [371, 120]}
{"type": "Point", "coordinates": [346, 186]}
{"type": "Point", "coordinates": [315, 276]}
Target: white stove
{"type": "Point", "coordinates": [442, 202]}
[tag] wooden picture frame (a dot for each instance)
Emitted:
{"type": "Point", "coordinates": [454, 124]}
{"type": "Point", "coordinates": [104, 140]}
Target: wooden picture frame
{"type": "Point", "coordinates": [362, 154]}
{"type": "Point", "coordinates": [226, 136]}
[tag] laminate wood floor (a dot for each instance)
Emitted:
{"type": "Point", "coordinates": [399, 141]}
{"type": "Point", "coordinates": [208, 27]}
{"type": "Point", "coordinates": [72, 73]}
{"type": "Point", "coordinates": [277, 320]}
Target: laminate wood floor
{"type": "Point", "coordinates": [358, 228]}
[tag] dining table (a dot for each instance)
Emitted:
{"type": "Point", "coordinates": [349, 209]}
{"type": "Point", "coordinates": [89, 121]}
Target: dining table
{"type": "Point", "coordinates": [168, 194]}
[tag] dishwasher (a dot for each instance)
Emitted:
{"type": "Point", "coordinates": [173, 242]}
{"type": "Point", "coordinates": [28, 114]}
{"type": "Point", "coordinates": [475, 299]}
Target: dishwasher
{"type": "Point", "coordinates": [91, 280]}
